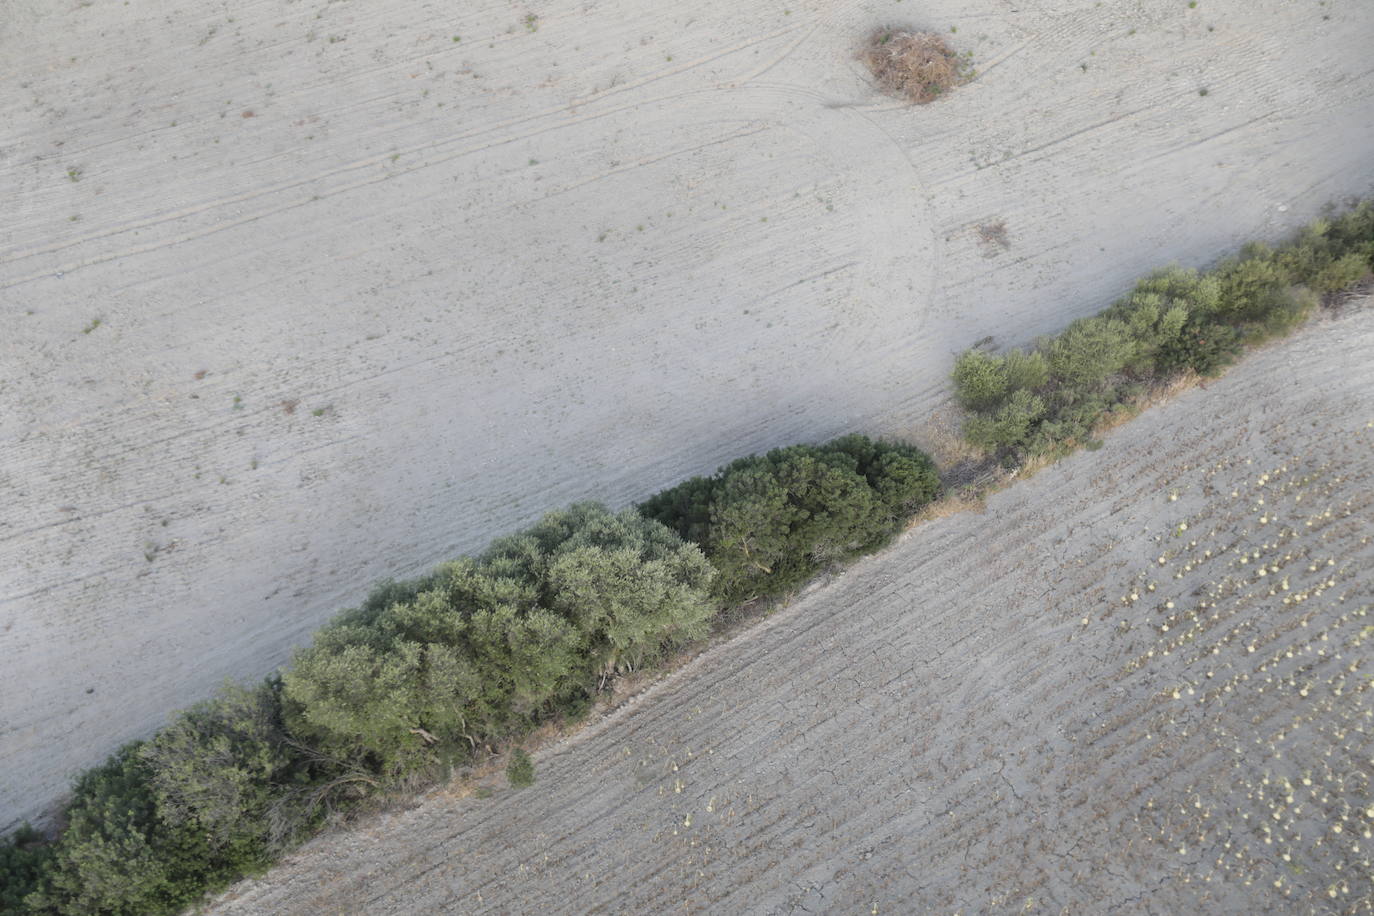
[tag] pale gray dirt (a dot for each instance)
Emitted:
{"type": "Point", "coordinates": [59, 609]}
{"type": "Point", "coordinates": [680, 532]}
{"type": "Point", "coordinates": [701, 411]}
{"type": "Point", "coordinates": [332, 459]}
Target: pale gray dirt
{"type": "Point", "coordinates": [437, 287]}
{"type": "Point", "coordinates": [1140, 682]}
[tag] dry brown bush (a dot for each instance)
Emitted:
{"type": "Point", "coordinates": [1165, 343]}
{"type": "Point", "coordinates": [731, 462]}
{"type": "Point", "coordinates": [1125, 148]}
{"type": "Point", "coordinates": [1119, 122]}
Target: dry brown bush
{"type": "Point", "coordinates": [915, 65]}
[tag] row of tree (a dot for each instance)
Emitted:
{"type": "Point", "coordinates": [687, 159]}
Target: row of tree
{"type": "Point", "coordinates": [435, 673]}
{"type": "Point", "coordinates": [1048, 399]}
{"type": "Point", "coordinates": [769, 522]}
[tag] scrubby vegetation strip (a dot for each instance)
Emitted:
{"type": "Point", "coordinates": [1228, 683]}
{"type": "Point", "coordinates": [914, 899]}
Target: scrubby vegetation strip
{"type": "Point", "coordinates": [1049, 399]}
{"type": "Point", "coordinates": [434, 675]}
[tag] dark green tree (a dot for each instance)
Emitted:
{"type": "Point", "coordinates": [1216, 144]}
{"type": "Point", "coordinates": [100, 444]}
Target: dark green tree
{"type": "Point", "coordinates": [24, 859]}
{"type": "Point", "coordinates": [220, 766]}
{"type": "Point", "coordinates": [118, 858]}
{"type": "Point", "coordinates": [767, 522]}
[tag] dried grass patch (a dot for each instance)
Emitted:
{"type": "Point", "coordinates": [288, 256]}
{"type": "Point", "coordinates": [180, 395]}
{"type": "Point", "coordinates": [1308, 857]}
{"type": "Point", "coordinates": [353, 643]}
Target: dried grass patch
{"type": "Point", "coordinates": [952, 504]}
{"type": "Point", "coordinates": [941, 437]}
{"type": "Point", "coordinates": [918, 66]}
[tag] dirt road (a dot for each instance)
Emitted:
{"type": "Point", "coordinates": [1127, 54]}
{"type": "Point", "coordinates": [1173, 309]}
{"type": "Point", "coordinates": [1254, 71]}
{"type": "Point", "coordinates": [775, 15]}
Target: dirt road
{"type": "Point", "coordinates": [298, 295]}
{"type": "Point", "coordinates": [1141, 682]}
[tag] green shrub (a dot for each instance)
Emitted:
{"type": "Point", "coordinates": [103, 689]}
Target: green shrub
{"type": "Point", "coordinates": [1341, 273]}
{"type": "Point", "coordinates": [1330, 255]}
{"type": "Point", "coordinates": [1352, 233]}
{"type": "Point", "coordinates": [520, 769]}
{"type": "Point", "coordinates": [630, 585]}
{"type": "Point", "coordinates": [1251, 285]}
{"type": "Point", "coordinates": [980, 380]}
{"type": "Point", "coordinates": [118, 857]}
{"type": "Point", "coordinates": [1026, 371]}
{"type": "Point", "coordinates": [768, 522]}
{"type": "Point", "coordinates": [219, 767]}
{"type": "Point", "coordinates": [1010, 427]}
{"type": "Point", "coordinates": [776, 520]}
{"type": "Point", "coordinates": [1072, 424]}
{"type": "Point", "coordinates": [1157, 310]}
{"type": "Point", "coordinates": [1087, 352]}
{"type": "Point", "coordinates": [903, 477]}
{"type": "Point", "coordinates": [23, 861]}
{"type": "Point", "coordinates": [1049, 400]}
{"type": "Point", "coordinates": [373, 702]}
{"type": "Point", "coordinates": [493, 645]}
{"type": "Point", "coordinates": [383, 595]}
{"type": "Point", "coordinates": [1286, 310]}
{"type": "Point", "coordinates": [1204, 346]}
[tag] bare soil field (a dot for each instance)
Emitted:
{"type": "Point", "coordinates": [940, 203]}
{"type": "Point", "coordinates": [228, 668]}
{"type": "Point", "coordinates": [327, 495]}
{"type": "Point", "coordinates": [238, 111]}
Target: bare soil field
{"type": "Point", "coordinates": [298, 295]}
{"type": "Point", "coordinates": [1140, 682]}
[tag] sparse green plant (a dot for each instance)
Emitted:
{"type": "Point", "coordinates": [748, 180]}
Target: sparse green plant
{"type": "Point", "coordinates": [520, 769]}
